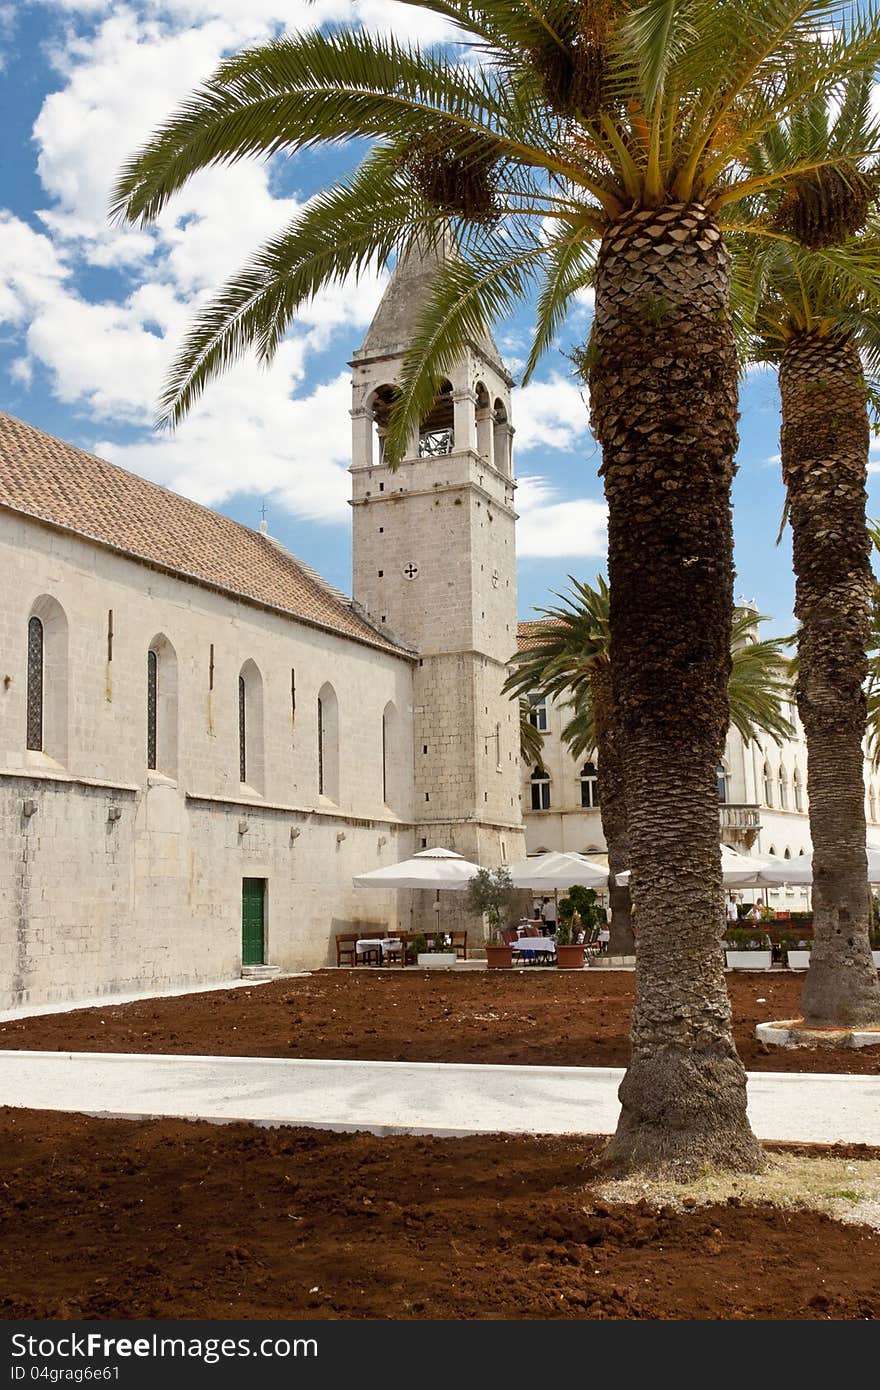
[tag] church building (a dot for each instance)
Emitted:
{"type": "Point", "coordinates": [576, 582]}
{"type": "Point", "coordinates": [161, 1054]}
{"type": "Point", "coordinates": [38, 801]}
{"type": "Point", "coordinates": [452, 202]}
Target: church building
{"type": "Point", "coordinates": [201, 741]}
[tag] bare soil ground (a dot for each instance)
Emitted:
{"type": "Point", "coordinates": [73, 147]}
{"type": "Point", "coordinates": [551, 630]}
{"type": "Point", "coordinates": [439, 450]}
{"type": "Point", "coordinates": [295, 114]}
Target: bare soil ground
{"type": "Point", "coordinates": [106, 1218]}
{"type": "Point", "coordinates": [537, 1018]}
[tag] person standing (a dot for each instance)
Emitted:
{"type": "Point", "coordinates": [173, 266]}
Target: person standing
{"type": "Point", "coordinates": [732, 912]}
{"type": "Point", "coordinates": [548, 916]}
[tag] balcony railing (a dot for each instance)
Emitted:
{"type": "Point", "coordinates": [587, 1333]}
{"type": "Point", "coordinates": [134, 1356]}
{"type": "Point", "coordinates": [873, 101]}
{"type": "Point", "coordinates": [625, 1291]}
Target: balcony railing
{"type": "Point", "coordinates": [739, 817]}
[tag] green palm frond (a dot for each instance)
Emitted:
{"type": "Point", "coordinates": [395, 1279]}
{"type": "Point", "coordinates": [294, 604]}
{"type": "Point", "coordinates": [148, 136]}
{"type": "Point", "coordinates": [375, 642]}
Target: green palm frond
{"type": "Point", "coordinates": [760, 680]}
{"type": "Point", "coordinates": [783, 289]}
{"type": "Point", "coordinates": [552, 114]}
{"type": "Point", "coordinates": [565, 644]}
{"type": "Point", "coordinates": [579, 733]}
{"type": "Point", "coordinates": [570, 640]}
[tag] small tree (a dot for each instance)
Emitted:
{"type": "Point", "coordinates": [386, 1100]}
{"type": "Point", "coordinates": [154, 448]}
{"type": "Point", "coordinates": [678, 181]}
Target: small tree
{"type": "Point", "coordinates": [490, 893]}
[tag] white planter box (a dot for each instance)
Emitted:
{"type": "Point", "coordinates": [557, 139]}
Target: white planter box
{"type": "Point", "coordinates": [749, 960]}
{"type": "Point", "coordinates": [798, 960]}
{"type": "Point", "coordinates": [876, 958]}
{"type": "Point", "coordinates": [436, 960]}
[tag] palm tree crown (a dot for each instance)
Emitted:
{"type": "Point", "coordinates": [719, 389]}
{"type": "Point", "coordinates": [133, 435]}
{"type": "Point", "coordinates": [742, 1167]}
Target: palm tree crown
{"type": "Point", "coordinates": [532, 136]}
{"type": "Point", "coordinates": [572, 644]}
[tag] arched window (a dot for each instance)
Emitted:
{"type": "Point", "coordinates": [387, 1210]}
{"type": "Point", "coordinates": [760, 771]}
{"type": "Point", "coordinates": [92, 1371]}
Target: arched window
{"type": "Point", "coordinates": [589, 780]}
{"type": "Point", "coordinates": [485, 423]}
{"type": "Point", "coordinates": [162, 707]}
{"type": "Point", "coordinates": [538, 712]}
{"type": "Point", "coordinates": [872, 803]}
{"type": "Point", "coordinates": [328, 743]}
{"type": "Point", "coordinates": [501, 441]}
{"type": "Point", "coordinates": [251, 754]}
{"type": "Point", "coordinates": [380, 409]}
{"type": "Point", "coordinates": [798, 790]}
{"type": "Point", "coordinates": [783, 788]}
{"type": "Point", "coordinates": [391, 759]}
{"type": "Point", "coordinates": [768, 785]}
{"type": "Point", "coordinates": [540, 789]}
{"type": "Point", "coordinates": [772, 850]}
{"type": "Point", "coordinates": [35, 686]}
{"type": "Point", "coordinates": [437, 428]}
{"type": "Point", "coordinates": [721, 779]}
{"type": "Point", "coordinates": [47, 679]}
{"type": "Point", "coordinates": [786, 853]}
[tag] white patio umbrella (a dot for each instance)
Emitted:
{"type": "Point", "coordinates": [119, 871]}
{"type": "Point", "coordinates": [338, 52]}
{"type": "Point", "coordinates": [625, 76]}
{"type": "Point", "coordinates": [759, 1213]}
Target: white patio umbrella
{"type": "Point", "coordinates": [430, 868]}
{"type": "Point", "coordinates": [547, 872]}
{"type": "Point", "coordinates": [737, 870]}
{"type": "Point", "coordinates": [800, 870]}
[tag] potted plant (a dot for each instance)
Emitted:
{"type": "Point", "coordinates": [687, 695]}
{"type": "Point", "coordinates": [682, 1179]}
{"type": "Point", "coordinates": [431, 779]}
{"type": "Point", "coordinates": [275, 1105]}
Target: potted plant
{"type": "Point", "coordinates": [438, 954]}
{"type": "Point", "coordinates": [490, 894]}
{"type": "Point", "coordinates": [569, 954]}
{"type": "Point", "coordinates": [797, 951]}
{"type": "Point", "coordinates": [748, 949]}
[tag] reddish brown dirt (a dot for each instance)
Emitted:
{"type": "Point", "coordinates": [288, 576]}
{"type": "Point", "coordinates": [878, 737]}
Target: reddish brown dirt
{"type": "Point", "coordinates": [536, 1018]}
{"type": "Point", "coordinates": [104, 1218]}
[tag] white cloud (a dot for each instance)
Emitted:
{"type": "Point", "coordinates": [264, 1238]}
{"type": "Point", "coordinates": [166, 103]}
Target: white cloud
{"type": "Point", "coordinates": [552, 413]}
{"type": "Point", "coordinates": [550, 528]}
{"type": "Point", "coordinates": [259, 438]}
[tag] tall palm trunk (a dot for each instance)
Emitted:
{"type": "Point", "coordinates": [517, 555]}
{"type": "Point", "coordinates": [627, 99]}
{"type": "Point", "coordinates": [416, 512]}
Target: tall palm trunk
{"type": "Point", "coordinates": [612, 808]}
{"type": "Point", "coordinates": [824, 465]}
{"type": "Point", "coordinates": [663, 379]}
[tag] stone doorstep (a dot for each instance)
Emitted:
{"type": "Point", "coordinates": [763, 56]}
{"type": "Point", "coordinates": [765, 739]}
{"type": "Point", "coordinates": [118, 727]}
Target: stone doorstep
{"type": "Point", "coordinates": [260, 972]}
{"type": "Point", "coordinates": [790, 1032]}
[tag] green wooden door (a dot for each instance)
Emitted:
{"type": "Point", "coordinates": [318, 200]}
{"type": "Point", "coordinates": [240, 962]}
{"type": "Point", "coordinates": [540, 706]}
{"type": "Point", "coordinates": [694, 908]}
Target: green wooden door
{"type": "Point", "coordinates": [253, 892]}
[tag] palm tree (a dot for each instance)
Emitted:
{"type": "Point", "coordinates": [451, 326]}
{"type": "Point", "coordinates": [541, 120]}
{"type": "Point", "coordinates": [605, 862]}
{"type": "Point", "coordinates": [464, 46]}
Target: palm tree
{"type": "Point", "coordinates": [819, 324]}
{"type": "Point", "coordinates": [568, 653]}
{"type": "Point", "coordinates": [575, 123]}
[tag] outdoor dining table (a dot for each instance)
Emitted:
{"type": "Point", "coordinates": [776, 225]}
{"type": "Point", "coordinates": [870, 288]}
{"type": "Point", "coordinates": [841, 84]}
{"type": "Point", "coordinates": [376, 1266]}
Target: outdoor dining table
{"type": "Point", "coordinates": [366, 945]}
{"type": "Point", "coordinates": [534, 946]}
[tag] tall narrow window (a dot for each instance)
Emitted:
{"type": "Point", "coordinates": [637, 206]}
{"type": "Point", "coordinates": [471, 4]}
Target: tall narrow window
{"type": "Point", "coordinates": [251, 739]}
{"type": "Point", "coordinates": [152, 708]}
{"type": "Point", "coordinates": [721, 780]}
{"type": "Point", "coordinates": [783, 789]}
{"type": "Point", "coordinates": [242, 730]}
{"type": "Point", "coordinates": [538, 712]}
{"type": "Point", "coordinates": [320, 746]}
{"type": "Point", "coordinates": [35, 686]}
{"type": "Point", "coordinates": [798, 791]}
{"type": "Point", "coordinates": [384, 761]}
{"type": "Point", "coordinates": [768, 785]}
{"type": "Point", "coordinates": [540, 790]}
{"type": "Point", "coordinates": [292, 697]}
{"type": "Point", "coordinates": [328, 743]}
{"type": "Point", "coordinates": [47, 679]}
{"type": "Point", "coordinates": [589, 779]}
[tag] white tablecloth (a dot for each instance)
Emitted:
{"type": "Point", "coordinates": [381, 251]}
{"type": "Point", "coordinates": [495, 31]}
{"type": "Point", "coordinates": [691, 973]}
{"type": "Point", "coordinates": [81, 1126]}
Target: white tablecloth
{"type": "Point", "coordinates": [535, 943]}
{"type": "Point", "coordinates": [369, 943]}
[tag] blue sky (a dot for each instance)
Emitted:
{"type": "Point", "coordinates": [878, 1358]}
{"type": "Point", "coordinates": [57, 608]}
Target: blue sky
{"type": "Point", "coordinates": [90, 314]}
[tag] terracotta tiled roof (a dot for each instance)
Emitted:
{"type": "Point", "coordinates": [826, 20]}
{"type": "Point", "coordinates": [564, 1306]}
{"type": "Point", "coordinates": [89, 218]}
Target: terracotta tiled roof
{"type": "Point", "coordinates": [527, 632]}
{"type": "Point", "coordinates": [54, 482]}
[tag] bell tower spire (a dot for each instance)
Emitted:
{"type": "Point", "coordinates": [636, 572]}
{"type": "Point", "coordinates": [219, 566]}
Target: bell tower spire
{"type": "Point", "coordinates": [434, 561]}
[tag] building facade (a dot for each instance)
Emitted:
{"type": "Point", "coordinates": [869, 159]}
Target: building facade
{"type": "Point", "coordinates": [762, 796]}
{"type": "Point", "coordinates": [201, 742]}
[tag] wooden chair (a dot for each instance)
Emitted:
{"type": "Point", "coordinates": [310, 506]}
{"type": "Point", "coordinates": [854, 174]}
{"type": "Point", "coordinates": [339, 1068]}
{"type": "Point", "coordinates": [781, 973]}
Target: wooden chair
{"type": "Point", "coordinates": [459, 944]}
{"type": "Point", "coordinates": [346, 952]}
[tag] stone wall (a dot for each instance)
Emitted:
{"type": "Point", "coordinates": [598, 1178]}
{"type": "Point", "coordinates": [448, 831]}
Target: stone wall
{"type": "Point", "coordinates": [116, 878]}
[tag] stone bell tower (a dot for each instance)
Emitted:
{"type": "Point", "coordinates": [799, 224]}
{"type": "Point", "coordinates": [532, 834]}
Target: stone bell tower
{"type": "Point", "coordinates": [434, 561]}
